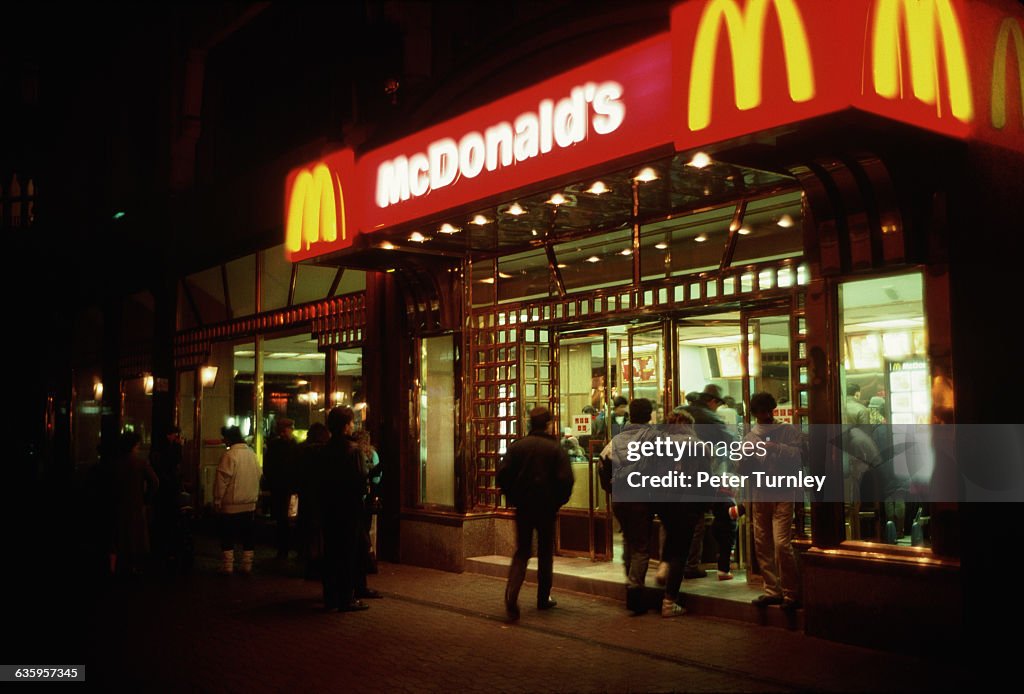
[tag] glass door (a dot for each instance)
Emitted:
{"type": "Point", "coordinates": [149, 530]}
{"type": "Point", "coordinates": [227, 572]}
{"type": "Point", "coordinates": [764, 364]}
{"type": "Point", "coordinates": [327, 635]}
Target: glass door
{"type": "Point", "coordinates": [643, 367]}
{"type": "Point", "coordinates": [584, 523]}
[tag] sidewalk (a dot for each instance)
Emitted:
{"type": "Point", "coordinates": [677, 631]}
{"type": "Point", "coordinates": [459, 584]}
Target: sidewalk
{"type": "Point", "coordinates": [437, 631]}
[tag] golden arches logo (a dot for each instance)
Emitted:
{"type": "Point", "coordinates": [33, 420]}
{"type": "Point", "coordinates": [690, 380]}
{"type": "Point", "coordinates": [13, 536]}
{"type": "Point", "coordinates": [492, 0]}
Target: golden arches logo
{"type": "Point", "coordinates": [314, 212]}
{"type": "Point", "coordinates": [746, 41]}
{"type": "Point", "coordinates": [925, 21]}
{"type": "Point", "coordinates": [1010, 29]}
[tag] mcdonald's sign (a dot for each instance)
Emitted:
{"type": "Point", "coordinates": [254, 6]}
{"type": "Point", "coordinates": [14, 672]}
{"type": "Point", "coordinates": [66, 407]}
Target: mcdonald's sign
{"type": "Point", "coordinates": [318, 218]}
{"type": "Point", "coordinates": [1009, 30]}
{"type": "Point", "coordinates": [928, 25]}
{"type": "Point", "coordinates": [781, 52]}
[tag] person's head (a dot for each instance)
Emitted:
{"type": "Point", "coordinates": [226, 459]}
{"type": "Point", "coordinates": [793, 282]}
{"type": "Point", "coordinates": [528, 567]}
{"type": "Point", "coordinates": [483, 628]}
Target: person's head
{"type": "Point", "coordinates": [232, 435]}
{"type": "Point", "coordinates": [712, 397]}
{"type": "Point", "coordinates": [640, 411]}
{"type": "Point", "coordinates": [339, 420]}
{"type": "Point", "coordinates": [318, 433]}
{"type": "Point", "coordinates": [679, 416]}
{"type": "Point", "coordinates": [619, 405]}
{"type": "Point", "coordinates": [285, 427]}
{"type": "Point", "coordinates": [730, 401]}
{"type": "Point", "coordinates": [589, 409]}
{"type": "Point", "coordinates": [762, 405]}
{"type": "Point", "coordinates": [692, 397]}
{"type": "Point", "coordinates": [853, 390]}
{"type": "Point", "coordinates": [174, 435]}
{"type": "Point", "coordinates": [540, 418]}
{"type": "Point", "coordinates": [128, 442]}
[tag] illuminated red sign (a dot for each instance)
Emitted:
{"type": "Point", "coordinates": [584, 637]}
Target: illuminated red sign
{"type": "Point", "coordinates": [608, 109]}
{"type": "Point", "coordinates": [729, 68]}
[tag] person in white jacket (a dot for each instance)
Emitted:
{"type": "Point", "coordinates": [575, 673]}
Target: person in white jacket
{"type": "Point", "coordinates": [773, 508]}
{"type": "Point", "coordinates": [235, 493]}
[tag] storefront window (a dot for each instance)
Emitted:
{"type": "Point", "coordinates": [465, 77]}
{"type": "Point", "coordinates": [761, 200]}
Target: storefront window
{"type": "Point", "coordinates": [137, 410]}
{"type": "Point", "coordinates": [771, 230]}
{"type": "Point", "coordinates": [437, 421]}
{"type": "Point", "coordinates": [685, 245]}
{"type": "Point", "coordinates": [523, 276]}
{"type": "Point", "coordinates": [884, 379]}
{"type": "Point", "coordinates": [348, 386]}
{"type": "Point", "coordinates": [483, 282]}
{"type": "Point", "coordinates": [85, 422]}
{"type": "Point", "coordinates": [600, 261]}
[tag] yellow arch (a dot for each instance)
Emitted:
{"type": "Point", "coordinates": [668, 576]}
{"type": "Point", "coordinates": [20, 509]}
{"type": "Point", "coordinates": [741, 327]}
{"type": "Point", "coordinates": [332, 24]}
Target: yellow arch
{"type": "Point", "coordinates": [1010, 28]}
{"type": "Point", "coordinates": [312, 215]}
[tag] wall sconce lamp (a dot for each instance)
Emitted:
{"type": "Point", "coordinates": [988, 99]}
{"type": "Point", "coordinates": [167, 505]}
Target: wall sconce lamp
{"type": "Point", "coordinates": [208, 376]}
{"type": "Point", "coordinates": [147, 384]}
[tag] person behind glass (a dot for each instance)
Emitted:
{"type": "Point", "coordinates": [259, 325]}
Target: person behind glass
{"type": "Point", "coordinates": [536, 477]}
{"type": "Point", "coordinates": [342, 482]}
{"type": "Point", "coordinates": [772, 509]}
{"type": "Point", "coordinates": [131, 475]}
{"type": "Point", "coordinates": [856, 413]}
{"type": "Point", "coordinates": [309, 521]}
{"type": "Point", "coordinates": [635, 517]}
{"type": "Point", "coordinates": [235, 492]}
{"type": "Point", "coordinates": [609, 427]}
{"type": "Point", "coordinates": [280, 476]}
{"type": "Point", "coordinates": [371, 464]}
{"type": "Point", "coordinates": [710, 427]}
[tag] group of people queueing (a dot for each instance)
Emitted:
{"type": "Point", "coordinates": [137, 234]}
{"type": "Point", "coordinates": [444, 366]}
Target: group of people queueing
{"type": "Point", "coordinates": [536, 477]}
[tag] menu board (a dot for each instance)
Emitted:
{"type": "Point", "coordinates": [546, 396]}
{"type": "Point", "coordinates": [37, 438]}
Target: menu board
{"type": "Point", "coordinates": [910, 397]}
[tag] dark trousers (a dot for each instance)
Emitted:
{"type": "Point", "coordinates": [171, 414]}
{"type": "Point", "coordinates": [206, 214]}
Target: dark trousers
{"type": "Point", "coordinates": [723, 529]}
{"type": "Point", "coordinates": [679, 520]}
{"type": "Point", "coordinates": [636, 521]}
{"type": "Point", "coordinates": [237, 527]}
{"type": "Point", "coordinates": [527, 521]}
{"type": "Point", "coordinates": [343, 575]}
{"type": "Point", "coordinates": [279, 510]}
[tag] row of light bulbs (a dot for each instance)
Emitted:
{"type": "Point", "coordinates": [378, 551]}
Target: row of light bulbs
{"type": "Point", "coordinates": [647, 174]}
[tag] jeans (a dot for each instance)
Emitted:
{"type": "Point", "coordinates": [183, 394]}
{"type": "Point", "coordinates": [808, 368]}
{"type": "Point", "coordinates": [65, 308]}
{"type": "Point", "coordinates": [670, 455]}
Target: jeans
{"type": "Point", "coordinates": [635, 519]}
{"type": "Point", "coordinates": [527, 521]}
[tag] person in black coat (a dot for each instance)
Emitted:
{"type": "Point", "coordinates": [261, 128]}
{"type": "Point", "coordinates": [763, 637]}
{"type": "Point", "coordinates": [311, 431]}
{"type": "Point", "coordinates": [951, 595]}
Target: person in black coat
{"type": "Point", "coordinates": [342, 486]}
{"type": "Point", "coordinates": [536, 477]}
{"type": "Point", "coordinates": [280, 478]}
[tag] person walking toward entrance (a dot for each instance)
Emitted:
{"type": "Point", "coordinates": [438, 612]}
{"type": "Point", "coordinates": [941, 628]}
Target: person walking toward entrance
{"type": "Point", "coordinates": [536, 477]}
{"type": "Point", "coordinates": [279, 471]}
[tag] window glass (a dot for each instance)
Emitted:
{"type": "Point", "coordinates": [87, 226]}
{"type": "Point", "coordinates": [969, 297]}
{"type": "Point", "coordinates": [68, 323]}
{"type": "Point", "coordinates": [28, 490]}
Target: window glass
{"type": "Point", "coordinates": [605, 260]}
{"type": "Point", "coordinates": [437, 421]}
{"type": "Point", "coordinates": [771, 230]}
{"type": "Point", "coordinates": [523, 276]}
{"type": "Point", "coordinates": [884, 378]}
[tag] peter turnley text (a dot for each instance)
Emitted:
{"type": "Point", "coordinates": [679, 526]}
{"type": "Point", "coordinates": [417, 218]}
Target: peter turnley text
{"type": "Point", "coordinates": [705, 480]}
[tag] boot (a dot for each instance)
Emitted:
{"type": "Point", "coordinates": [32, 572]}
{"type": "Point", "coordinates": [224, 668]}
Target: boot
{"type": "Point", "coordinates": [247, 557]}
{"type": "Point", "coordinates": [227, 563]}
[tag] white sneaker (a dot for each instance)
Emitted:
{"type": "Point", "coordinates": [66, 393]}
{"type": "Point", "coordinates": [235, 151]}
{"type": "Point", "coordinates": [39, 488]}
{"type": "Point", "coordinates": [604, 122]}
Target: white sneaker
{"type": "Point", "coordinates": [669, 608]}
{"type": "Point", "coordinates": [662, 576]}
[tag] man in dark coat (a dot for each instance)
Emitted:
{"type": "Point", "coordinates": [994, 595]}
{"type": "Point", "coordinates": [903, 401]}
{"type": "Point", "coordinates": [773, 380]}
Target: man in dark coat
{"type": "Point", "coordinates": [536, 477]}
{"type": "Point", "coordinates": [279, 472]}
{"type": "Point", "coordinates": [342, 488]}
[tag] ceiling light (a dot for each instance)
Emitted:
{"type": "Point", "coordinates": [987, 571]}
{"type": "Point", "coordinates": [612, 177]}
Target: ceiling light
{"type": "Point", "coordinates": [562, 265]}
{"type": "Point", "coordinates": [593, 259]}
{"type": "Point", "coordinates": [447, 228]}
{"type": "Point", "coordinates": [700, 160]}
{"type": "Point", "coordinates": [557, 199]}
{"type": "Point", "coordinates": [599, 188]}
{"type": "Point", "coordinates": [626, 251]}
{"type": "Point", "coordinates": [646, 175]}
{"type": "Point", "coordinates": [785, 221]}
{"type": "Point", "coordinates": [417, 237]}
{"type": "Point", "coordinates": [387, 246]}
{"type": "Point", "coordinates": [661, 246]}
{"type": "Point", "coordinates": [515, 209]}
{"type": "Point", "coordinates": [533, 232]}
{"type": "Point", "coordinates": [282, 355]}
{"type": "Point", "coordinates": [504, 275]}
{"type": "Point", "coordinates": [480, 220]}
{"type": "Point", "coordinates": [487, 280]}
{"type": "Point", "coordinates": [390, 269]}
{"type": "Point", "coordinates": [701, 238]}
{"type": "Point", "coordinates": [744, 230]}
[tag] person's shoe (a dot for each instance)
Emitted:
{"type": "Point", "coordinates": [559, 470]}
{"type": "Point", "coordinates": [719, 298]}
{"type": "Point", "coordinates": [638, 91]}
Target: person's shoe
{"type": "Point", "coordinates": [662, 576]}
{"type": "Point", "coordinates": [766, 600]}
{"type": "Point", "coordinates": [369, 594]}
{"type": "Point", "coordinates": [725, 576]}
{"type": "Point", "coordinates": [635, 601]}
{"type": "Point", "coordinates": [354, 606]}
{"type": "Point", "coordinates": [695, 573]}
{"type": "Point", "coordinates": [670, 608]}
{"type": "Point", "coordinates": [791, 605]}
{"type": "Point", "coordinates": [511, 610]}
{"type": "Point", "coordinates": [546, 604]}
